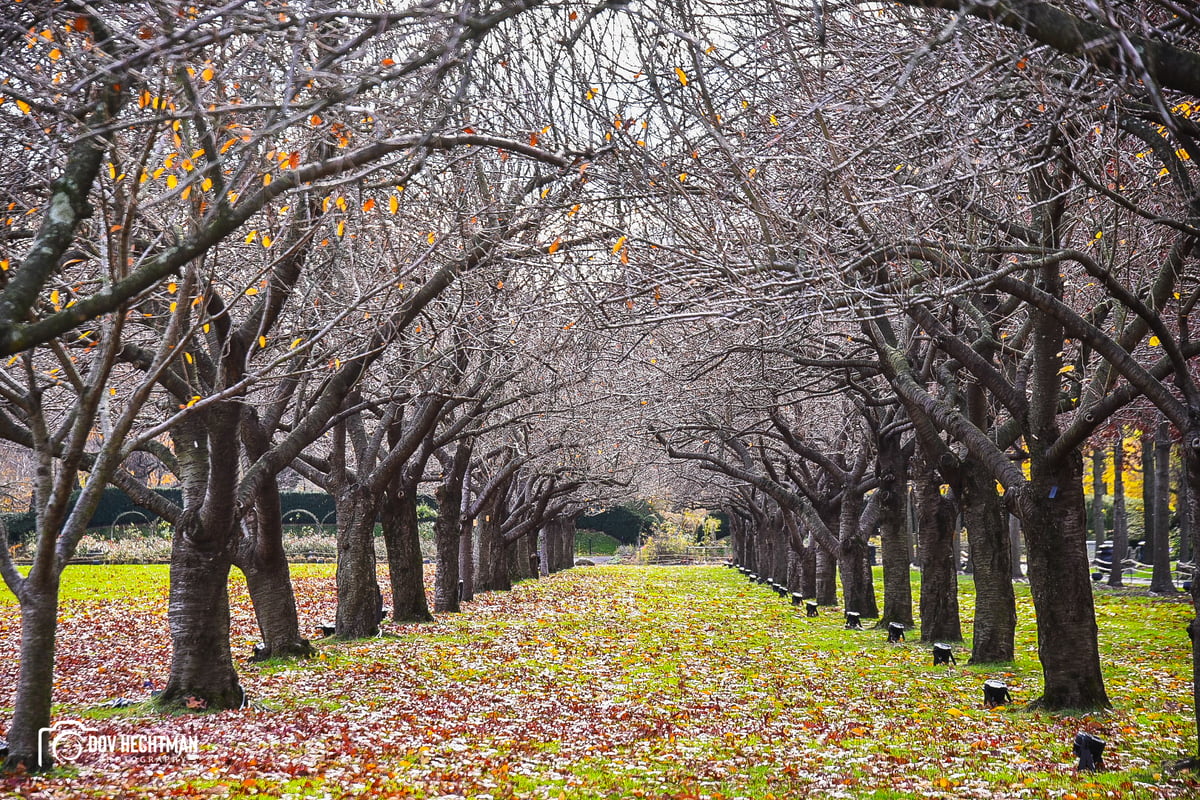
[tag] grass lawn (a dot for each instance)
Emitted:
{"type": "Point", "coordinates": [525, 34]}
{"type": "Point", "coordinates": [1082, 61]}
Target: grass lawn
{"type": "Point", "coordinates": [610, 682]}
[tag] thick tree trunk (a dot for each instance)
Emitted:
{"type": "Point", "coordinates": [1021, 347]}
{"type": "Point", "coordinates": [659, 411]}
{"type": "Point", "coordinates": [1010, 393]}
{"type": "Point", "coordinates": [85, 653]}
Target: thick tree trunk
{"type": "Point", "coordinates": [1014, 546]}
{"type": "Point", "coordinates": [466, 559]}
{"type": "Point", "coordinates": [939, 568]}
{"type": "Point", "coordinates": [995, 604]}
{"type": "Point", "coordinates": [202, 670]}
{"type": "Point", "coordinates": [826, 577]}
{"type": "Point", "coordinates": [1120, 548]}
{"type": "Point", "coordinates": [808, 572]}
{"type": "Point", "coordinates": [263, 561]}
{"type": "Point", "coordinates": [1160, 578]}
{"type": "Point", "coordinates": [358, 596]}
{"type": "Point", "coordinates": [1184, 504]}
{"type": "Point", "coordinates": [858, 591]}
{"type": "Point", "coordinates": [1191, 457]}
{"type": "Point", "coordinates": [893, 533]}
{"type": "Point", "coordinates": [446, 533]}
{"type": "Point", "coordinates": [402, 540]}
{"type": "Point", "coordinates": [1053, 518]}
{"type": "Point", "coordinates": [35, 680]}
{"type": "Point", "coordinates": [269, 583]}
{"type": "Point", "coordinates": [492, 569]}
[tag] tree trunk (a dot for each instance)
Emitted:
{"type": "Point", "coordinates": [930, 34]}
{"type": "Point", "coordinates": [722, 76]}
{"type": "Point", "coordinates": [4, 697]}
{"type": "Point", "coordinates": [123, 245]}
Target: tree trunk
{"type": "Point", "coordinates": [466, 559]}
{"type": "Point", "coordinates": [263, 561]}
{"type": "Point", "coordinates": [1191, 458]}
{"type": "Point", "coordinates": [1014, 546]}
{"type": "Point", "coordinates": [269, 582]}
{"type": "Point", "coordinates": [1120, 548]}
{"type": "Point", "coordinates": [858, 592]}
{"type": "Point", "coordinates": [939, 570]}
{"type": "Point", "coordinates": [402, 540]}
{"type": "Point", "coordinates": [1148, 537]}
{"type": "Point", "coordinates": [1184, 506]}
{"type": "Point", "coordinates": [358, 596]}
{"type": "Point", "coordinates": [1054, 520]}
{"type": "Point", "coordinates": [1098, 489]}
{"type": "Point", "coordinates": [1160, 579]}
{"type": "Point", "coordinates": [202, 668]}
{"type": "Point", "coordinates": [826, 577]}
{"type": "Point", "coordinates": [995, 604]}
{"type": "Point", "coordinates": [492, 569]}
{"type": "Point", "coordinates": [808, 572]}
{"type": "Point", "coordinates": [893, 533]}
{"type": "Point", "coordinates": [446, 533]}
{"type": "Point", "coordinates": [35, 680]}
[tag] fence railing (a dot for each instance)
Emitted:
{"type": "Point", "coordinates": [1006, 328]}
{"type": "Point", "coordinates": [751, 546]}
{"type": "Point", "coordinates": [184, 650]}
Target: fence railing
{"type": "Point", "coordinates": [691, 555]}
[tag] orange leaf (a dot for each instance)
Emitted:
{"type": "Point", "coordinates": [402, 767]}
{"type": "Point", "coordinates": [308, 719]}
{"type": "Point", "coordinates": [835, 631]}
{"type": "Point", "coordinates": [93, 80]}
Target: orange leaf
{"type": "Point", "coordinates": [553, 248]}
{"type": "Point", "coordinates": [368, 204]}
{"type": "Point", "coordinates": [294, 159]}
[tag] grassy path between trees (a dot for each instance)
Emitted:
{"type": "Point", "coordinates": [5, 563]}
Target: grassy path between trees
{"type": "Point", "coordinates": [604, 683]}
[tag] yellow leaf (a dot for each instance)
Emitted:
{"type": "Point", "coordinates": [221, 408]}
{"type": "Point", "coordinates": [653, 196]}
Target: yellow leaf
{"type": "Point", "coordinates": [172, 181]}
{"type": "Point", "coordinates": [206, 184]}
{"type": "Point", "coordinates": [681, 75]}
{"type": "Point", "coordinates": [54, 297]}
{"type": "Point", "coordinates": [1066, 368]}
{"type": "Point", "coordinates": [296, 342]}
{"type": "Point", "coordinates": [266, 240]}
{"type": "Point", "coordinates": [620, 243]}
{"type": "Point", "coordinates": [251, 236]}
{"type": "Point", "coordinates": [1155, 342]}
{"type": "Point", "coordinates": [393, 204]}
{"type": "Point", "coordinates": [188, 357]}
{"type": "Point", "coordinates": [173, 307]}
{"type": "Point", "coordinates": [262, 341]}
{"type": "Point", "coordinates": [55, 54]}
{"type": "Point", "coordinates": [267, 179]}
{"type": "Point", "coordinates": [206, 327]}
{"type": "Point", "coordinates": [25, 109]}
{"type": "Point", "coordinates": [207, 73]}
{"type": "Point", "coordinates": [341, 203]}
{"type": "Point", "coordinates": [251, 292]}
{"type": "Point", "coordinates": [954, 712]}
{"type": "Point", "coordinates": [341, 228]}
{"type": "Point", "coordinates": [172, 287]}
{"type": "Point", "coordinates": [228, 144]}
{"type": "Point", "coordinates": [432, 237]}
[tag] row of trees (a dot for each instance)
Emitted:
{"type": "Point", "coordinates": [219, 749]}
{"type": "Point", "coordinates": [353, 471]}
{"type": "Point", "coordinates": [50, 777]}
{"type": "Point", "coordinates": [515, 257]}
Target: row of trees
{"type": "Point", "coordinates": [513, 250]}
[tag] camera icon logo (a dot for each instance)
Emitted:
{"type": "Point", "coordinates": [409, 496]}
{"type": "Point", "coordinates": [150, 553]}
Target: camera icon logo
{"type": "Point", "coordinates": [62, 742]}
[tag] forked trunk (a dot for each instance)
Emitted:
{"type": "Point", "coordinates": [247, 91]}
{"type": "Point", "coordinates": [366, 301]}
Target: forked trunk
{"type": "Point", "coordinates": [269, 582]}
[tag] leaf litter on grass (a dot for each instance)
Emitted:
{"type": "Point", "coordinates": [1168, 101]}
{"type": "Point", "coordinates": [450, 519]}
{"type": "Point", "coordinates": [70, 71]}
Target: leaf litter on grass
{"type": "Point", "coordinates": [614, 682]}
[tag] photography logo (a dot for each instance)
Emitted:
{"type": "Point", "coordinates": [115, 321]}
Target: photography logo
{"type": "Point", "coordinates": [66, 741]}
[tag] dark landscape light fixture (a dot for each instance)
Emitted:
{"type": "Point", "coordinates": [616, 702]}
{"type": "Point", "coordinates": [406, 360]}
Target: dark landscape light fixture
{"type": "Point", "coordinates": [811, 609]}
{"type": "Point", "coordinates": [853, 621]}
{"type": "Point", "coordinates": [995, 693]}
{"type": "Point", "coordinates": [943, 654]}
{"type": "Point", "coordinates": [461, 586]}
{"type": "Point", "coordinates": [797, 599]}
{"type": "Point", "coordinates": [781, 590]}
{"type": "Point", "coordinates": [753, 578]}
{"type": "Point", "coordinates": [895, 632]}
{"type": "Point", "coordinates": [1090, 751]}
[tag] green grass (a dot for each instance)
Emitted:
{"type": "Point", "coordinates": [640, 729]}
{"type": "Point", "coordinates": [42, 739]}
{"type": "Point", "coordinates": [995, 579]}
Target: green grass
{"type": "Point", "coordinates": [664, 682]}
{"type": "Point", "coordinates": [595, 543]}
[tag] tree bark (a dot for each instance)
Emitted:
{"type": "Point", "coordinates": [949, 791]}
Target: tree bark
{"type": "Point", "coordinates": [35, 680]}
{"type": "Point", "coordinates": [202, 669]}
{"type": "Point", "coordinates": [995, 604]}
{"type": "Point", "coordinates": [1160, 578]}
{"type": "Point", "coordinates": [858, 593]}
{"type": "Point", "coordinates": [1014, 546]}
{"type": "Point", "coordinates": [357, 586]}
{"type": "Point", "coordinates": [492, 569]}
{"type": "Point", "coordinates": [269, 583]}
{"type": "Point", "coordinates": [466, 559]}
{"type": "Point", "coordinates": [447, 530]}
{"type": "Point", "coordinates": [402, 541]}
{"type": "Point", "coordinates": [1054, 520]}
{"type": "Point", "coordinates": [939, 570]}
{"type": "Point", "coordinates": [1120, 548]}
{"type": "Point", "coordinates": [1148, 474]}
{"type": "Point", "coordinates": [1099, 527]}
{"type": "Point", "coordinates": [893, 533]}
{"type": "Point", "coordinates": [826, 577]}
